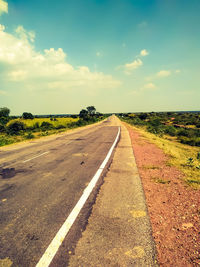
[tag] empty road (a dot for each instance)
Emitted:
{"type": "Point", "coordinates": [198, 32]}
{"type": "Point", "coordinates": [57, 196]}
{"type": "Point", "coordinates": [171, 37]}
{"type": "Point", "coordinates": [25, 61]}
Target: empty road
{"type": "Point", "coordinates": [40, 183]}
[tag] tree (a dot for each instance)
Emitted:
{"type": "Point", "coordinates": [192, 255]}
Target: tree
{"type": "Point", "coordinates": [91, 110]}
{"type": "Point", "coordinates": [143, 116]}
{"type": "Point", "coordinates": [83, 114]}
{"type": "Point", "coordinates": [27, 115]}
{"type": "Point", "coordinates": [4, 112]}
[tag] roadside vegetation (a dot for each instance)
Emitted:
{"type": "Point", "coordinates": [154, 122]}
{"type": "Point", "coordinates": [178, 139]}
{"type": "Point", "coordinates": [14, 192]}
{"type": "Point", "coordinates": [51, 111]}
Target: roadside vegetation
{"type": "Point", "coordinates": [181, 126]}
{"type": "Point", "coordinates": [15, 129]}
{"type": "Point", "coordinates": [167, 131]}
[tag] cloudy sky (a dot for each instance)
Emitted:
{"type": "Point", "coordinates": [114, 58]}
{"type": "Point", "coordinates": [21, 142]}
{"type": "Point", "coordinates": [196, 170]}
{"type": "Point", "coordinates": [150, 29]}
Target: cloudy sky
{"type": "Point", "coordinates": [118, 55]}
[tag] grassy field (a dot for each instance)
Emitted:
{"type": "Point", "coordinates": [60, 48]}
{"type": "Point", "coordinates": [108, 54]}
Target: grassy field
{"type": "Point", "coordinates": [184, 157]}
{"type": "Point", "coordinates": [6, 139]}
{"type": "Point", "coordinates": [58, 121]}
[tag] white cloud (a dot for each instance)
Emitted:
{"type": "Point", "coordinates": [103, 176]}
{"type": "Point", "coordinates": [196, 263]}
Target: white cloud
{"type": "Point", "coordinates": [163, 73]}
{"type": "Point", "coordinates": [18, 75]}
{"type": "Point", "coordinates": [149, 86]}
{"type": "Point", "coordinates": [3, 7]}
{"type": "Point", "coordinates": [25, 35]}
{"type": "Point", "coordinates": [129, 67]}
{"type": "Point", "coordinates": [144, 53]}
{"type": "Point", "coordinates": [44, 70]}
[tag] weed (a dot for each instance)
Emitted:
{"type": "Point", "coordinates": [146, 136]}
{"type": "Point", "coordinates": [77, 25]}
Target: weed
{"type": "Point", "coordinates": [191, 181]}
{"type": "Point", "coordinates": [161, 181]}
{"type": "Point", "coordinates": [29, 136]}
{"type": "Point", "coordinates": [152, 167]}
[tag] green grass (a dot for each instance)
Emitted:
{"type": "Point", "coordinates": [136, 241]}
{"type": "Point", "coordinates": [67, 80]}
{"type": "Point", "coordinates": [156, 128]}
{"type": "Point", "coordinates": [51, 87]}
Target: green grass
{"type": "Point", "coordinates": [7, 140]}
{"type": "Point", "coordinates": [59, 121]}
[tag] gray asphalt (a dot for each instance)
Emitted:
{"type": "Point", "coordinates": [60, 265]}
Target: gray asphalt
{"type": "Point", "coordinates": [40, 184]}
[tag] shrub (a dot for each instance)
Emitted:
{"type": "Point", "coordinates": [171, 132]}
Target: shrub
{"type": "Point", "coordinates": [46, 126]}
{"type": "Point", "coordinates": [2, 128]}
{"type": "Point", "coordinates": [155, 122]}
{"type": "Point", "coordinates": [192, 141]}
{"type": "Point", "coordinates": [15, 127]}
{"type": "Point", "coordinates": [159, 130]}
{"type": "Point", "coordinates": [170, 130]}
{"type": "Point", "coordinates": [5, 141]}
{"type": "Point", "coordinates": [29, 135]}
{"type": "Point", "coordinates": [4, 120]}
{"type": "Point", "coordinates": [60, 126]}
{"type": "Point", "coordinates": [36, 125]}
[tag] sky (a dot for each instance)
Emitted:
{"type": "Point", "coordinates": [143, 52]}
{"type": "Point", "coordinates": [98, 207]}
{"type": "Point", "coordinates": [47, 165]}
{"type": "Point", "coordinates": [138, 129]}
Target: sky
{"type": "Point", "coordinates": [57, 57]}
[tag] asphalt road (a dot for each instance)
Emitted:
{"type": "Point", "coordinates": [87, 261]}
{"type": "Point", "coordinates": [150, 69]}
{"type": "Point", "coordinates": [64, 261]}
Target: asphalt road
{"type": "Point", "coordinates": [40, 183]}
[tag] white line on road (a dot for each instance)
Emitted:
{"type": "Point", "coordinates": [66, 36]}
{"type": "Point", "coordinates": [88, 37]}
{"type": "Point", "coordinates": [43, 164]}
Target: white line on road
{"type": "Point", "coordinates": [61, 234]}
{"type": "Point", "coordinates": [36, 157]}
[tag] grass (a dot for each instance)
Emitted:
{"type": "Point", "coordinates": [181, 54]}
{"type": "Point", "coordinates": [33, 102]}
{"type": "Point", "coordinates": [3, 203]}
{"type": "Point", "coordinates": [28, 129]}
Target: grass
{"type": "Point", "coordinates": [7, 140]}
{"type": "Point", "coordinates": [179, 154]}
{"type": "Point", "coordinates": [59, 121]}
{"type": "Point", "coordinates": [151, 167]}
{"type": "Point", "coordinates": [161, 181]}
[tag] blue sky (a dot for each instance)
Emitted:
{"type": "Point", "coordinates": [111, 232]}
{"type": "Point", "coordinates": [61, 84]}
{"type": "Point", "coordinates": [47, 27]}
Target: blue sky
{"type": "Point", "coordinates": [119, 55]}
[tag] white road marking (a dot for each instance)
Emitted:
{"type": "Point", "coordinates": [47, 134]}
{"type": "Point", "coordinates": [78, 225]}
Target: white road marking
{"type": "Point", "coordinates": [52, 249]}
{"type": "Point", "coordinates": [36, 157]}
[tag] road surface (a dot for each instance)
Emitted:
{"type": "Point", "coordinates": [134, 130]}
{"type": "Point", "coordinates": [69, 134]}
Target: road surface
{"type": "Point", "coordinates": [40, 183]}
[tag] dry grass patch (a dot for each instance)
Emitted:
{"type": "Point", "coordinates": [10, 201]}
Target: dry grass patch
{"type": "Point", "coordinates": [182, 156]}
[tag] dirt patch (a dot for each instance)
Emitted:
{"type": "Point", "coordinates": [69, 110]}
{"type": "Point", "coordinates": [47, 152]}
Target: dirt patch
{"type": "Point", "coordinates": [174, 207]}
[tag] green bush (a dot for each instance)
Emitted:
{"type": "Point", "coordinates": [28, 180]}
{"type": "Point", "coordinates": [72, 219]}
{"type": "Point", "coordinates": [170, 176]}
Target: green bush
{"type": "Point", "coordinates": [192, 141]}
{"type": "Point", "coordinates": [29, 135]}
{"type": "Point", "coordinates": [158, 130]}
{"type": "Point", "coordinates": [5, 141]}
{"type": "Point", "coordinates": [4, 120]}
{"type": "Point", "coordinates": [155, 122]}
{"type": "Point", "coordinates": [170, 130]}
{"type": "Point", "coordinates": [60, 126]}
{"type": "Point", "coordinates": [15, 127]}
{"type": "Point", "coordinates": [46, 126]}
{"type": "Point", "coordinates": [2, 128]}
{"type": "Point", "coordinates": [35, 126]}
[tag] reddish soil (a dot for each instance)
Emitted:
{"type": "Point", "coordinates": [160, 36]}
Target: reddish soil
{"type": "Point", "coordinates": [174, 207]}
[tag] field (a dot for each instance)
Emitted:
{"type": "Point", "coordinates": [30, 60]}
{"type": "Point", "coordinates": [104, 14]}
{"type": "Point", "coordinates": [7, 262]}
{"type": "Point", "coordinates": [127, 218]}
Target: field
{"type": "Point", "coordinates": [37, 127]}
{"type": "Point", "coordinates": [55, 122]}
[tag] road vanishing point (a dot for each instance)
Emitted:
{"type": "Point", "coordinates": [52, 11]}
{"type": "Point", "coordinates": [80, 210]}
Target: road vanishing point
{"type": "Point", "coordinates": [74, 199]}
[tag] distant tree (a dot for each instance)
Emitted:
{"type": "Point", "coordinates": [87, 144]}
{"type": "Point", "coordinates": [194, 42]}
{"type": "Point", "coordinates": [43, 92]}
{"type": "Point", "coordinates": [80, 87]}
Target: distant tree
{"type": "Point", "coordinates": [4, 112]}
{"type": "Point", "coordinates": [98, 114]}
{"type": "Point", "coordinates": [83, 114]}
{"type": "Point", "coordinates": [27, 115]}
{"type": "Point", "coordinates": [91, 110]}
{"type": "Point", "coordinates": [143, 116]}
